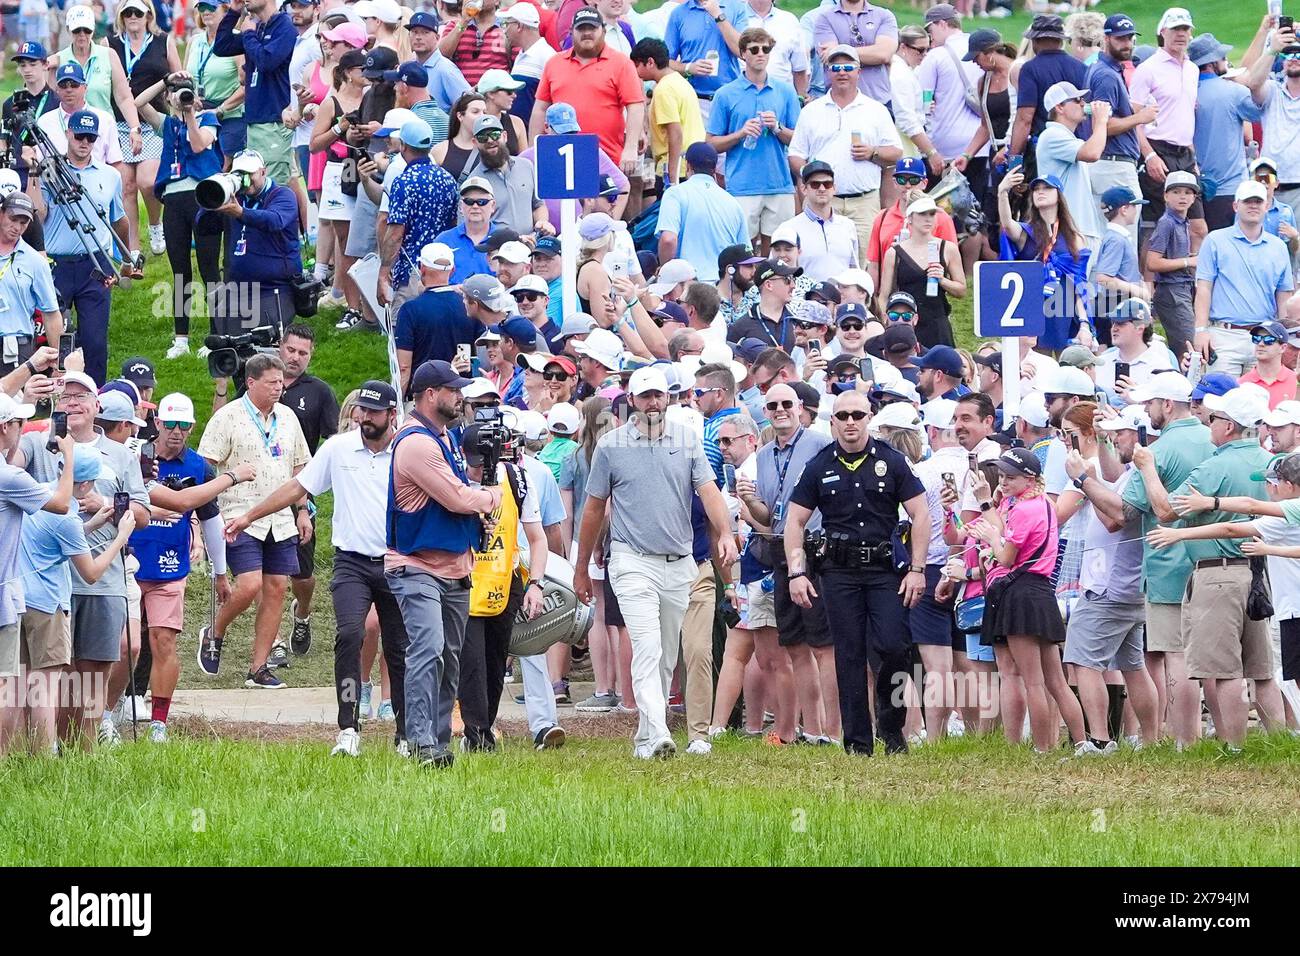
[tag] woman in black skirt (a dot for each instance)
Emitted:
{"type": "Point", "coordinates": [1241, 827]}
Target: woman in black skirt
{"type": "Point", "coordinates": [1021, 619]}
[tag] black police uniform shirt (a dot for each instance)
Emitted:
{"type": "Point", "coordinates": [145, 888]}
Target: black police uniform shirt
{"type": "Point", "coordinates": [316, 407]}
{"type": "Point", "coordinates": [755, 325]}
{"type": "Point", "coordinates": [858, 494]}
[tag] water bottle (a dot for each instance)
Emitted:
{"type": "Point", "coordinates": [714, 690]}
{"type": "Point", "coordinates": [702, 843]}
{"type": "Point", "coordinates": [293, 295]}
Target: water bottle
{"type": "Point", "coordinates": [751, 142]}
{"type": "Point", "coordinates": [932, 283]}
{"type": "Point", "coordinates": [1274, 8]}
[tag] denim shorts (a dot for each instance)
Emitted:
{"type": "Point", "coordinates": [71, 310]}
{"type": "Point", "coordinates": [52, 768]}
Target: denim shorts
{"type": "Point", "coordinates": [246, 554]}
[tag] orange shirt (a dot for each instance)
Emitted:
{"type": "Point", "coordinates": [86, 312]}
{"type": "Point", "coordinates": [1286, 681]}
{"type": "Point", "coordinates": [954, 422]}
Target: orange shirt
{"type": "Point", "coordinates": [890, 223]}
{"type": "Point", "coordinates": [1281, 389]}
{"type": "Point", "coordinates": [598, 89]}
{"type": "Point", "coordinates": [421, 474]}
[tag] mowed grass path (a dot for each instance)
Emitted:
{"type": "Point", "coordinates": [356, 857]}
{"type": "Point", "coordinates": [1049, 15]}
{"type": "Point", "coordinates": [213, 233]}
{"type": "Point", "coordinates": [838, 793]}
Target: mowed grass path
{"type": "Point", "coordinates": [962, 802]}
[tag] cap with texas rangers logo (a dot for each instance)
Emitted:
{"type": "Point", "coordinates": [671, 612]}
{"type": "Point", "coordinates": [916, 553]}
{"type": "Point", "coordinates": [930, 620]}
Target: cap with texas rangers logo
{"type": "Point", "coordinates": [84, 123]}
{"type": "Point", "coordinates": [377, 396]}
{"type": "Point", "coordinates": [70, 71]}
{"type": "Point", "coordinates": [29, 51]}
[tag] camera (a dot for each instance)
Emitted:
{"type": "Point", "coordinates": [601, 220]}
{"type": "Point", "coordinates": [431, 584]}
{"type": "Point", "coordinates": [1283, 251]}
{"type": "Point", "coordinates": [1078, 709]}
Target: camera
{"type": "Point", "coordinates": [178, 482]}
{"type": "Point", "coordinates": [493, 440]}
{"type": "Point", "coordinates": [184, 90]}
{"type": "Point", "coordinates": [228, 354]}
{"type": "Point", "coordinates": [215, 191]}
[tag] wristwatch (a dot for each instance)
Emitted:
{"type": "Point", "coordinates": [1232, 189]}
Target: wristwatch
{"type": "Point", "coordinates": [795, 574]}
{"type": "Point", "coordinates": [1078, 482]}
{"type": "Point", "coordinates": [915, 570]}
{"type": "Point", "coordinates": [719, 18]}
{"type": "Point", "coordinates": [535, 583]}
{"type": "Point", "coordinates": [986, 506]}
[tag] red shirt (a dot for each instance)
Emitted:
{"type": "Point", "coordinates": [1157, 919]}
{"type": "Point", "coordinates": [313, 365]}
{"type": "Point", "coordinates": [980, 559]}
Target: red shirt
{"type": "Point", "coordinates": [545, 26]}
{"type": "Point", "coordinates": [598, 89]}
{"type": "Point", "coordinates": [890, 223]}
{"type": "Point", "coordinates": [1281, 389]}
{"type": "Point", "coordinates": [476, 53]}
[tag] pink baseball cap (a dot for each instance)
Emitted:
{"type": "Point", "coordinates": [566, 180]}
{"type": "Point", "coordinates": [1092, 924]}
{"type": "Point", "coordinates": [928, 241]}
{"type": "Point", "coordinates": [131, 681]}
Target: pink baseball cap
{"type": "Point", "coordinates": [353, 34]}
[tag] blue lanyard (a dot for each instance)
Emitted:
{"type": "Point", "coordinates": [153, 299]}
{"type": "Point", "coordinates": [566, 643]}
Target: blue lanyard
{"type": "Point", "coordinates": [268, 435]}
{"type": "Point", "coordinates": [131, 61]}
{"type": "Point", "coordinates": [780, 474]}
{"type": "Point", "coordinates": [203, 63]}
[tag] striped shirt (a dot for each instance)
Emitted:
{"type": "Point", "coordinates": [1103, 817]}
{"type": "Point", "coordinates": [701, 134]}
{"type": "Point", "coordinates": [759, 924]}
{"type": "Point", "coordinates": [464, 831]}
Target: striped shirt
{"type": "Point", "coordinates": [476, 52]}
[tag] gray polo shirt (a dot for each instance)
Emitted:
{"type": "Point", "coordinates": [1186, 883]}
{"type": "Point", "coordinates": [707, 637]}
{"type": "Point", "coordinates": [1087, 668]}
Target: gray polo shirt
{"type": "Point", "coordinates": [119, 471]}
{"type": "Point", "coordinates": [515, 189]}
{"type": "Point", "coordinates": [776, 464]}
{"type": "Point", "coordinates": [651, 483]}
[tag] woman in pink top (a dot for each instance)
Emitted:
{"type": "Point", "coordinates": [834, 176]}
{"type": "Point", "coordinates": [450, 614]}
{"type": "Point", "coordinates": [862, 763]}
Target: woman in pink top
{"type": "Point", "coordinates": [1021, 619]}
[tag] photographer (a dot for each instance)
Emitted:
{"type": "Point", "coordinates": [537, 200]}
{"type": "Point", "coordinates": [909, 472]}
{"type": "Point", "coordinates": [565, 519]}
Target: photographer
{"type": "Point", "coordinates": [191, 152]}
{"type": "Point", "coordinates": [25, 286]}
{"type": "Point", "coordinates": [80, 275]}
{"type": "Point", "coordinates": [263, 256]}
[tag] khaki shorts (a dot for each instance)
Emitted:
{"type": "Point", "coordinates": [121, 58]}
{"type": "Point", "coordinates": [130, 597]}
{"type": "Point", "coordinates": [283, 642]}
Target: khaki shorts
{"type": "Point", "coordinates": [1222, 642]}
{"type": "Point", "coordinates": [46, 639]}
{"type": "Point", "coordinates": [764, 213]}
{"type": "Point", "coordinates": [9, 656]}
{"type": "Point", "coordinates": [164, 603]}
{"type": "Point", "coordinates": [1165, 628]}
{"type": "Point", "coordinates": [760, 606]}
{"type": "Point", "coordinates": [863, 210]}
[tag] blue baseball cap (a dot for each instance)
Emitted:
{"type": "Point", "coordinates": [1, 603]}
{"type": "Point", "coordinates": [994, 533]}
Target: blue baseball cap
{"type": "Point", "coordinates": [852, 310]}
{"type": "Point", "coordinates": [84, 123]}
{"type": "Point", "coordinates": [1120, 25]}
{"type": "Point", "coordinates": [422, 19]}
{"type": "Point", "coordinates": [562, 118]}
{"type": "Point", "coordinates": [85, 465]}
{"type": "Point", "coordinates": [702, 157]}
{"type": "Point", "coordinates": [608, 188]}
{"type": "Point", "coordinates": [1132, 310]}
{"type": "Point", "coordinates": [748, 349]}
{"type": "Point", "coordinates": [943, 358]}
{"type": "Point", "coordinates": [910, 166]}
{"type": "Point", "coordinates": [436, 373]}
{"type": "Point", "coordinates": [29, 51]}
{"type": "Point", "coordinates": [516, 327]}
{"type": "Point", "coordinates": [70, 71]}
{"type": "Point", "coordinates": [547, 246]}
{"type": "Point", "coordinates": [1273, 328]}
{"type": "Point", "coordinates": [1117, 196]}
{"type": "Point", "coordinates": [417, 134]}
{"type": "Point", "coordinates": [412, 73]}
{"type": "Point", "coordinates": [1213, 383]}
{"type": "Point", "coordinates": [1053, 181]}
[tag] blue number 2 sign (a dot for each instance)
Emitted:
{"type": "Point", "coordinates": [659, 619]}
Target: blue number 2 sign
{"type": "Point", "coordinates": [1008, 299]}
{"type": "Point", "coordinates": [568, 166]}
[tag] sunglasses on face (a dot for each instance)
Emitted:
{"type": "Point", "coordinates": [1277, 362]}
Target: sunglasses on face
{"type": "Point", "coordinates": [559, 376]}
{"type": "Point", "coordinates": [806, 326]}
{"type": "Point", "coordinates": [701, 392]}
{"type": "Point", "coordinates": [68, 84]}
{"type": "Point", "coordinates": [852, 325]}
{"type": "Point", "coordinates": [1289, 56]}
{"type": "Point", "coordinates": [495, 403]}
{"type": "Point", "coordinates": [82, 30]}
{"type": "Point", "coordinates": [476, 202]}
{"type": "Point", "coordinates": [1049, 397]}
{"type": "Point", "coordinates": [527, 296]}
{"type": "Point", "coordinates": [785, 404]}
{"type": "Point", "coordinates": [842, 68]}
{"type": "Point", "coordinates": [489, 136]}
{"type": "Point", "coordinates": [727, 442]}
{"type": "Point", "coordinates": [908, 180]}
{"type": "Point", "coordinates": [917, 49]}
{"type": "Point", "coordinates": [1220, 418]}
{"type": "Point", "coordinates": [131, 14]}
{"type": "Point", "coordinates": [1265, 339]}
{"type": "Point", "coordinates": [822, 184]}
{"type": "Point", "coordinates": [755, 49]}
{"type": "Point", "coordinates": [857, 416]}
{"type": "Point", "coordinates": [901, 316]}
{"type": "Point", "coordinates": [847, 376]}
{"type": "Point", "coordinates": [176, 426]}
{"type": "Point", "coordinates": [85, 137]}
{"type": "Point", "coordinates": [1265, 178]}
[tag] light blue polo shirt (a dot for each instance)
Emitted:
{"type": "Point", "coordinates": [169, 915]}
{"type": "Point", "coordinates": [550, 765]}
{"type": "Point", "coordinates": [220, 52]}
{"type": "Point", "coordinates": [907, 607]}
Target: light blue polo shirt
{"type": "Point", "coordinates": [692, 35]}
{"type": "Point", "coordinates": [25, 286]}
{"type": "Point", "coordinates": [446, 82]}
{"type": "Point", "coordinates": [765, 169]}
{"type": "Point", "coordinates": [706, 221]}
{"type": "Point", "coordinates": [1277, 214]}
{"type": "Point", "coordinates": [1221, 107]}
{"type": "Point", "coordinates": [103, 187]}
{"type": "Point", "coordinates": [1247, 275]}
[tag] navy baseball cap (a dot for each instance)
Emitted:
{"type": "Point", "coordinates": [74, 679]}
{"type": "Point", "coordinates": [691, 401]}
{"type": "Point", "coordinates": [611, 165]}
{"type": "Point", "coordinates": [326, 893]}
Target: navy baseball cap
{"type": "Point", "coordinates": [1274, 328]}
{"type": "Point", "coordinates": [981, 41]}
{"type": "Point", "coordinates": [810, 170]}
{"type": "Point", "coordinates": [749, 348]}
{"type": "Point", "coordinates": [29, 51]}
{"type": "Point", "coordinates": [422, 19]}
{"type": "Point", "coordinates": [828, 292]}
{"type": "Point", "coordinates": [412, 73]}
{"type": "Point", "coordinates": [516, 327]}
{"type": "Point", "coordinates": [737, 255]}
{"type": "Point", "coordinates": [548, 246]}
{"type": "Point", "coordinates": [944, 358]}
{"type": "Point", "coordinates": [852, 310]}
{"type": "Point", "coordinates": [1120, 25]}
{"type": "Point", "coordinates": [1213, 383]}
{"type": "Point", "coordinates": [700, 156]}
{"type": "Point", "coordinates": [910, 166]}
{"type": "Point", "coordinates": [70, 71]}
{"type": "Point", "coordinates": [608, 188]}
{"type": "Point", "coordinates": [83, 123]}
{"type": "Point", "coordinates": [671, 312]}
{"type": "Point", "coordinates": [436, 374]}
{"type": "Point", "coordinates": [1117, 196]}
{"type": "Point", "coordinates": [378, 62]}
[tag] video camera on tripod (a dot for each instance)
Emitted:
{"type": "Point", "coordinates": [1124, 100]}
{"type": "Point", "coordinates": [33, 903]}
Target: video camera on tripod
{"type": "Point", "coordinates": [228, 354]}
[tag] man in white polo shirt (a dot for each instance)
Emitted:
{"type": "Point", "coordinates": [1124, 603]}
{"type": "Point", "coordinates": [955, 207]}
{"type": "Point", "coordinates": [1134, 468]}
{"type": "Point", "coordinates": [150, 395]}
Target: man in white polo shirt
{"type": "Point", "coordinates": [354, 464]}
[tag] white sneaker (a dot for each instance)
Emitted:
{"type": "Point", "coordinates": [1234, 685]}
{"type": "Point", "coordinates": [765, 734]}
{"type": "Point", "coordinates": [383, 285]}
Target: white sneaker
{"type": "Point", "coordinates": [179, 347]}
{"type": "Point", "coordinates": [157, 242]}
{"type": "Point", "coordinates": [142, 710]}
{"type": "Point", "coordinates": [956, 726]}
{"type": "Point", "coordinates": [716, 732]}
{"type": "Point", "coordinates": [108, 735]}
{"type": "Point", "coordinates": [700, 747]}
{"type": "Point", "coordinates": [157, 732]}
{"type": "Point", "coordinates": [348, 744]}
{"type": "Point", "coordinates": [663, 749]}
{"type": "Point", "coordinates": [203, 352]}
{"type": "Point", "coordinates": [403, 748]}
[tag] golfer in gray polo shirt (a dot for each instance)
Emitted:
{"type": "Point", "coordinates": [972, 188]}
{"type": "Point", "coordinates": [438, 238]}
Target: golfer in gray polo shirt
{"type": "Point", "coordinates": [647, 471]}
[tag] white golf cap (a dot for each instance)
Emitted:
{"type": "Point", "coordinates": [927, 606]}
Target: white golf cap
{"type": "Point", "coordinates": [939, 413]}
{"type": "Point", "coordinates": [479, 388]}
{"type": "Point", "coordinates": [671, 274]}
{"type": "Point", "coordinates": [533, 425]}
{"type": "Point", "coordinates": [1263, 162]}
{"type": "Point", "coordinates": [858, 277]}
{"type": "Point", "coordinates": [11, 409]}
{"type": "Point", "coordinates": [1066, 380]}
{"type": "Point", "coordinates": [922, 204]}
{"type": "Point", "coordinates": [1033, 410]}
{"type": "Point", "coordinates": [787, 233]}
{"type": "Point", "coordinates": [648, 380]}
{"type": "Point", "coordinates": [176, 407]}
{"type": "Point", "coordinates": [718, 353]}
{"type": "Point", "coordinates": [1174, 17]}
{"type": "Point", "coordinates": [1286, 413]}
{"type": "Point", "coordinates": [438, 255]}
{"type": "Point", "coordinates": [525, 14]}
{"type": "Point", "coordinates": [79, 18]}
{"type": "Point", "coordinates": [563, 419]}
{"type": "Point", "coordinates": [1130, 418]}
{"type": "Point", "coordinates": [513, 252]}
{"type": "Point", "coordinates": [1242, 404]}
{"type": "Point", "coordinates": [1059, 93]}
{"type": "Point", "coordinates": [900, 388]}
{"type": "Point", "coordinates": [386, 10]}
{"type": "Point", "coordinates": [897, 415]}
{"type": "Point", "coordinates": [1250, 189]}
{"type": "Point", "coordinates": [82, 379]}
{"type": "Point", "coordinates": [1167, 386]}
{"type": "Point", "coordinates": [247, 161]}
{"type": "Point", "coordinates": [9, 182]}
{"type": "Point", "coordinates": [530, 282]}
{"type": "Point", "coordinates": [602, 346]}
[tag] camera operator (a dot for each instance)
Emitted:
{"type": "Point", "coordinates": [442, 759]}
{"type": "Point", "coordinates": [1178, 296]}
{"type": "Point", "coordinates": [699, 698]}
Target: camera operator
{"type": "Point", "coordinates": [262, 253]}
{"type": "Point", "coordinates": [25, 286]}
{"type": "Point", "coordinates": [191, 152]}
{"type": "Point", "coordinates": [82, 278]}
{"type": "Point", "coordinates": [434, 527]}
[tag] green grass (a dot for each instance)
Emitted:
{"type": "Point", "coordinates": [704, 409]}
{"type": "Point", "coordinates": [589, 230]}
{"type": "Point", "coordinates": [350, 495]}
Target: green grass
{"type": "Point", "coordinates": [964, 802]}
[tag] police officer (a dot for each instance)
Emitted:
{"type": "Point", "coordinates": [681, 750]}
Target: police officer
{"type": "Point", "coordinates": [25, 286]}
{"type": "Point", "coordinates": [858, 483]}
{"type": "Point", "coordinates": [433, 527]}
{"type": "Point", "coordinates": [81, 274]}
